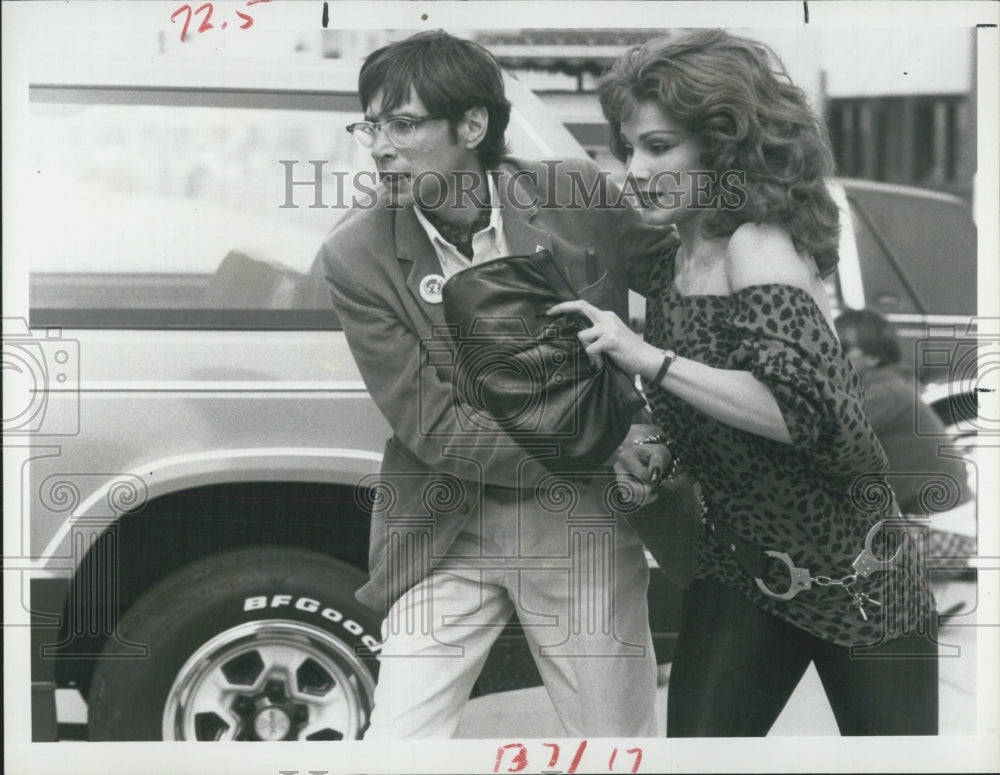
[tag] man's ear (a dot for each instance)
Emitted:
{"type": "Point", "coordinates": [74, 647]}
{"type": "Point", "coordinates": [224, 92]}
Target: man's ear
{"type": "Point", "coordinates": [472, 128]}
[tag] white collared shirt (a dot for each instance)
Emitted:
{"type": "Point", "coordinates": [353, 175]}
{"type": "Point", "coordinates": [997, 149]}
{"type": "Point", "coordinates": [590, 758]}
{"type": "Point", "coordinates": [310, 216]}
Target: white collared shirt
{"type": "Point", "coordinates": [487, 243]}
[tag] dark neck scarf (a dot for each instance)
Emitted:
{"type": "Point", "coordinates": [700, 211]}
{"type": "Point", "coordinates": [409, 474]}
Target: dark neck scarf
{"type": "Point", "coordinates": [460, 236]}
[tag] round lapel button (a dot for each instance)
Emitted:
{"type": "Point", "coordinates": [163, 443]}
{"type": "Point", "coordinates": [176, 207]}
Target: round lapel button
{"type": "Point", "coordinates": [430, 288]}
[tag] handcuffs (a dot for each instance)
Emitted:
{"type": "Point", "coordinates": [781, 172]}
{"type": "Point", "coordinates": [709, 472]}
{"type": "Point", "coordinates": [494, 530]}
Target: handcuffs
{"type": "Point", "coordinates": [864, 565]}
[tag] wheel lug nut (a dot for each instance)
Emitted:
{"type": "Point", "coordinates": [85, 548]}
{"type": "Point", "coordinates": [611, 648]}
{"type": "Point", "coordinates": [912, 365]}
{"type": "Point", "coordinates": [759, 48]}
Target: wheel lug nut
{"type": "Point", "coordinates": [275, 691]}
{"type": "Point", "coordinates": [242, 704]}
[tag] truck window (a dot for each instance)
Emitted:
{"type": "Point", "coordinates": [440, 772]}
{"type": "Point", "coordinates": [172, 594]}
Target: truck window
{"type": "Point", "coordinates": [168, 208]}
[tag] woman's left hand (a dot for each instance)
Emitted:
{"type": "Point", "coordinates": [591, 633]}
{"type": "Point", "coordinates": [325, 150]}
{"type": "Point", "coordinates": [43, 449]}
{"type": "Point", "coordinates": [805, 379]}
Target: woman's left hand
{"type": "Point", "coordinates": [641, 464]}
{"type": "Point", "coordinates": [608, 335]}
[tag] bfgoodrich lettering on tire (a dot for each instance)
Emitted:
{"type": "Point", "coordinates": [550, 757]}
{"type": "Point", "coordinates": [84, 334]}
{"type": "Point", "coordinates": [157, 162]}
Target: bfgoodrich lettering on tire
{"type": "Point", "coordinates": [261, 644]}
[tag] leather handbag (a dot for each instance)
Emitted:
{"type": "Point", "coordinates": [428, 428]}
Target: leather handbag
{"type": "Point", "coordinates": [525, 373]}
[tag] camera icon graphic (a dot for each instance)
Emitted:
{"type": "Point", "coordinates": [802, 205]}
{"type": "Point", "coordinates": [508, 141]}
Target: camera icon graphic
{"type": "Point", "coordinates": [41, 375]}
{"type": "Point", "coordinates": [501, 372]}
{"type": "Point", "coordinates": [960, 366]}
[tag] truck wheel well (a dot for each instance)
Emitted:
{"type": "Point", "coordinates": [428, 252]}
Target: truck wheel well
{"type": "Point", "coordinates": [168, 532]}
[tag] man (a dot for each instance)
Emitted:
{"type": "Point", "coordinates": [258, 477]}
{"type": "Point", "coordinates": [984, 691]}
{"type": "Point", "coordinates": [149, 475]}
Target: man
{"type": "Point", "coordinates": [464, 531]}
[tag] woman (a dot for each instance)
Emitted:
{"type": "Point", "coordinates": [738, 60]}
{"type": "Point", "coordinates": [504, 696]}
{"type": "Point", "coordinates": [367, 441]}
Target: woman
{"type": "Point", "coordinates": [744, 372]}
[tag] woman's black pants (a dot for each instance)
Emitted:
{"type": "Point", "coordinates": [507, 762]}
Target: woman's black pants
{"type": "Point", "coordinates": [736, 666]}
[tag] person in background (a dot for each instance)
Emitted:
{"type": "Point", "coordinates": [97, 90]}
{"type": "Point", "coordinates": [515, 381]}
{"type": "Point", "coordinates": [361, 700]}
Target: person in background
{"type": "Point", "coordinates": [918, 469]}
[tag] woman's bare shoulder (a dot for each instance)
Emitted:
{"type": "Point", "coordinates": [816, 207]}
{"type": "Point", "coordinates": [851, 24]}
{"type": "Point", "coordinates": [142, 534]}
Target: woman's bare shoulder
{"type": "Point", "coordinates": [759, 254]}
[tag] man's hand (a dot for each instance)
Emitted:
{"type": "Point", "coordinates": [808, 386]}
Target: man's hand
{"type": "Point", "coordinates": [640, 467]}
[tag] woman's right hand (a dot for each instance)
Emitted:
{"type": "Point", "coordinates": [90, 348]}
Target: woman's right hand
{"type": "Point", "coordinates": [608, 335]}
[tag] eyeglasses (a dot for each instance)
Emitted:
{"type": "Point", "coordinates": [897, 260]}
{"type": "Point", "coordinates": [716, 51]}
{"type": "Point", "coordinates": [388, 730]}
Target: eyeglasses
{"type": "Point", "coordinates": [400, 131]}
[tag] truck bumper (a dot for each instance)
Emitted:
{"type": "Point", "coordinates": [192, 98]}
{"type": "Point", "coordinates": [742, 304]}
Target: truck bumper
{"type": "Point", "coordinates": [48, 597]}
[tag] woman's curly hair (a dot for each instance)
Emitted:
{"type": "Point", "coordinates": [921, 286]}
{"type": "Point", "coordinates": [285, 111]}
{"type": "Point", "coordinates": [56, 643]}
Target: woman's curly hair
{"type": "Point", "coordinates": [734, 95]}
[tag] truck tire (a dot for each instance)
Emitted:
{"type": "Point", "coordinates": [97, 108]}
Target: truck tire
{"type": "Point", "coordinates": [257, 644]}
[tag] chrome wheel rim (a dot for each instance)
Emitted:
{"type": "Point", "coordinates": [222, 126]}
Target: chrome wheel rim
{"type": "Point", "coordinates": [270, 680]}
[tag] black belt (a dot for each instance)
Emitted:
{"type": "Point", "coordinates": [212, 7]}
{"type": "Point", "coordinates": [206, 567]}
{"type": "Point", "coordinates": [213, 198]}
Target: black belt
{"type": "Point", "coordinates": [750, 558]}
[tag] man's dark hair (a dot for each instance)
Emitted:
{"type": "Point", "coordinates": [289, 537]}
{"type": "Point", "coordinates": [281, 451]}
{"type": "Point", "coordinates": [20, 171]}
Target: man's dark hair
{"type": "Point", "coordinates": [449, 75]}
{"type": "Point", "coordinates": [872, 332]}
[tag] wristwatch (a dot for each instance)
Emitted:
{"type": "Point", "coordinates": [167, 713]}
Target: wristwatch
{"type": "Point", "coordinates": [669, 356]}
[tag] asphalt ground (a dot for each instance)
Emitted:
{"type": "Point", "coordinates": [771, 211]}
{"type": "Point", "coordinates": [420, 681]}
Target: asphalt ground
{"type": "Point", "coordinates": [529, 714]}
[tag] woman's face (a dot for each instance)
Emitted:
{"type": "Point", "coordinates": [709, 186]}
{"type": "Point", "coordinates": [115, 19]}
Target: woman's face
{"type": "Point", "coordinates": [664, 168]}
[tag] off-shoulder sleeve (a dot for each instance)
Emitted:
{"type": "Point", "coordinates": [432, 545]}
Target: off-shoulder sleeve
{"type": "Point", "coordinates": [785, 342]}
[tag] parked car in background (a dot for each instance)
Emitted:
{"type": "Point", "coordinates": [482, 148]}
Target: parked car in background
{"type": "Point", "coordinates": [910, 254]}
{"type": "Point", "coordinates": [199, 425]}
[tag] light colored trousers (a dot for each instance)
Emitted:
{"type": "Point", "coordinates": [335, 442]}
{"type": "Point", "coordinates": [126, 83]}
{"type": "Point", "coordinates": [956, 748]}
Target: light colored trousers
{"type": "Point", "coordinates": [577, 580]}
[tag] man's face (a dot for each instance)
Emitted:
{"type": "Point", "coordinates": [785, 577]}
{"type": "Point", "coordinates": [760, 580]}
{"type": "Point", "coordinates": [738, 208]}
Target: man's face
{"type": "Point", "coordinates": [404, 172]}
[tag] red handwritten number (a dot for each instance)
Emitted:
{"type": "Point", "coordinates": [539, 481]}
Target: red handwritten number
{"type": "Point", "coordinates": [576, 759]}
{"type": "Point", "coordinates": [520, 760]}
{"type": "Point", "coordinates": [173, 18]}
{"type": "Point", "coordinates": [205, 25]}
{"type": "Point", "coordinates": [638, 759]}
{"type": "Point", "coordinates": [248, 17]}
{"type": "Point", "coordinates": [517, 760]}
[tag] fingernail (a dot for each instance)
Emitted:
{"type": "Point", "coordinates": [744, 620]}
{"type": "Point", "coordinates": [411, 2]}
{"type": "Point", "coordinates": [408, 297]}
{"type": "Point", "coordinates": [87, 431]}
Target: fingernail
{"type": "Point", "coordinates": [655, 475]}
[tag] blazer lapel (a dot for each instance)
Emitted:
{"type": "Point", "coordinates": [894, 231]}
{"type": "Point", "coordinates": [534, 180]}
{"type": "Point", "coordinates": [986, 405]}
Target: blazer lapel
{"type": "Point", "coordinates": [523, 237]}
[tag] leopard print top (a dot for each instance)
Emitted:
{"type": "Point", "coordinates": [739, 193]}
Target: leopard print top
{"type": "Point", "coordinates": [815, 498]}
